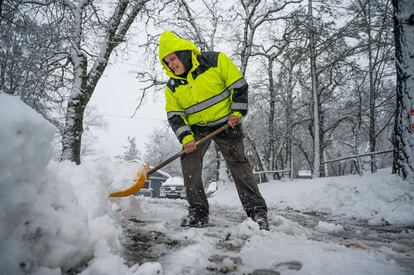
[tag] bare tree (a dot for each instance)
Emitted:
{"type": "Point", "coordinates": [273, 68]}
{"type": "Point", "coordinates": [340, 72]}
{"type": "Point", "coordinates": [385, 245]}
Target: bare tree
{"type": "Point", "coordinates": [246, 21]}
{"type": "Point", "coordinates": [287, 85]}
{"type": "Point", "coordinates": [375, 21]}
{"type": "Point", "coordinates": [255, 14]}
{"type": "Point", "coordinates": [278, 81]}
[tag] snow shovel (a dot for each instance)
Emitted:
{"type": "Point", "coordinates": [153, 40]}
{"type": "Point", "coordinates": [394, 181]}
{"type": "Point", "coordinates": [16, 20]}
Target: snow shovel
{"type": "Point", "coordinates": [146, 171]}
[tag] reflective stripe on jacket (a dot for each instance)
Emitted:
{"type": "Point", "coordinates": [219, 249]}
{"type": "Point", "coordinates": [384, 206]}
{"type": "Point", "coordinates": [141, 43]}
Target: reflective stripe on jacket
{"type": "Point", "coordinates": [213, 90]}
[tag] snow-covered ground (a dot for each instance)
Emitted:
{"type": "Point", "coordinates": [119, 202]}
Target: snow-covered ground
{"type": "Point", "coordinates": [56, 218]}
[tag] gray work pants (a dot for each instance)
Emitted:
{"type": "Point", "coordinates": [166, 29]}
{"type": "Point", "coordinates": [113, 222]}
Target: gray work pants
{"type": "Point", "coordinates": [230, 144]}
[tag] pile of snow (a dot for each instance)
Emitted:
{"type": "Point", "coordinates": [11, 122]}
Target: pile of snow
{"type": "Point", "coordinates": [379, 198]}
{"type": "Point", "coordinates": [55, 217]}
{"type": "Point", "coordinates": [329, 227]}
{"type": "Point", "coordinates": [212, 187]}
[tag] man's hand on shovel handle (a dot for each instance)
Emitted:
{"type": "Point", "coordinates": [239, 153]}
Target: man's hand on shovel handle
{"type": "Point", "coordinates": [190, 146]}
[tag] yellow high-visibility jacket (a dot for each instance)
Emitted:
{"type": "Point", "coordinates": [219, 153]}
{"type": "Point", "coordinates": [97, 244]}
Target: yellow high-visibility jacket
{"type": "Point", "coordinates": [213, 90]}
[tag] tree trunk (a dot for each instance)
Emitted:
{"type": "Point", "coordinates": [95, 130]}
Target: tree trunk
{"type": "Point", "coordinates": [271, 147]}
{"type": "Point", "coordinates": [289, 123]}
{"type": "Point", "coordinates": [258, 161]}
{"type": "Point", "coordinates": [316, 130]}
{"type": "Point", "coordinates": [372, 94]}
{"type": "Point", "coordinates": [218, 163]}
{"type": "Point", "coordinates": [72, 133]}
{"type": "Point", "coordinates": [322, 145]}
{"type": "Point", "coordinates": [403, 163]}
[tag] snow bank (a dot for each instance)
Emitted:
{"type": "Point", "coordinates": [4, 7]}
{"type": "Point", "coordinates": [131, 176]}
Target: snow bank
{"type": "Point", "coordinates": [378, 198]}
{"type": "Point", "coordinates": [37, 224]}
{"type": "Point", "coordinates": [54, 217]}
{"type": "Point", "coordinates": [310, 257]}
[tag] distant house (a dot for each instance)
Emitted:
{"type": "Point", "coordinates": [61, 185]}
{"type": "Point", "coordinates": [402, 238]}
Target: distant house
{"type": "Point", "coordinates": [153, 185]}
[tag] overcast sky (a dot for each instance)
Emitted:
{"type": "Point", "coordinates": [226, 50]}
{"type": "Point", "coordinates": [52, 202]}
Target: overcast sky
{"type": "Point", "coordinates": [116, 97]}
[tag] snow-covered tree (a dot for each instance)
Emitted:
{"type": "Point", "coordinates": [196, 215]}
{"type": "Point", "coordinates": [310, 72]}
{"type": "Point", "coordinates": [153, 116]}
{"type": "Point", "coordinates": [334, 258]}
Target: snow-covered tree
{"type": "Point", "coordinates": [87, 68]}
{"type": "Point", "coordinates": [270, 43]}
{"type": "Point", "coordinates": [373, 30]}
{"type": "Point", "coordinates": [404, 118]}
{"type": "Point", "coordinates": [131, 150]}
{"type": "Point", "coordinates": [162, 145]}
{"type": "Point", "coordinates": [31, 40]}
{"type": "Point", "coordinates": [53, 54]}
{"type": "Point", "coordinates": [253, 27]}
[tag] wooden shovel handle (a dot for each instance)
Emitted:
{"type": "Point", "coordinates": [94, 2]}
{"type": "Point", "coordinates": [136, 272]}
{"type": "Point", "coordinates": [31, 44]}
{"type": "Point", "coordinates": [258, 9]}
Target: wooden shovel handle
{"type": "Point", "coordinates": [201, 141]}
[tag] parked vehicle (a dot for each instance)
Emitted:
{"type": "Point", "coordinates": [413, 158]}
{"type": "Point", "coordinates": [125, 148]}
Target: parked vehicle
{"type": "Point", "coordinates": [173, 188]}
{"type": "Point", "coordinates": [304, 174]}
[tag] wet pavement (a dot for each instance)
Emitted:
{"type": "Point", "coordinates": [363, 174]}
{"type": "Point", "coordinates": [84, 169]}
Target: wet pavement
{"type": "Point", "coordinates": [360, 234]}
{"type": "Point", "coordinates": [144, 244]}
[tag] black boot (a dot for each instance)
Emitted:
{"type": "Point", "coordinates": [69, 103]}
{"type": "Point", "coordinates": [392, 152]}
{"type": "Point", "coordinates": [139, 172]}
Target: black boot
{"type": "Point", "coordinates": [261, 219]}
{"type": "Point", "coordinates": [194, 219]}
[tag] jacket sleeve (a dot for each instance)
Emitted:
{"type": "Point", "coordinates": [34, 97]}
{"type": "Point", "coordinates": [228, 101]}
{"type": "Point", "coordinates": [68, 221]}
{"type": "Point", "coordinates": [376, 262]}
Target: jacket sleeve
{"type": "Point", "coordinates": [236, 83]}
{"type": "Point", "coordinates": [177, 118]}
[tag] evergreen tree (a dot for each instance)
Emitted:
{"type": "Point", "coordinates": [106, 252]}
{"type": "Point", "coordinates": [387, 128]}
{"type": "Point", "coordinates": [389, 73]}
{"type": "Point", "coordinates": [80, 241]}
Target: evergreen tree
{"type": "Point", "coordinates": [131, 151]}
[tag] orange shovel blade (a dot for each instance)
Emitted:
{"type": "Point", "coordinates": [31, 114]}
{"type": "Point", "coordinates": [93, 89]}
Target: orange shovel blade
{"type": "Point", "coordinates": [138, 184]}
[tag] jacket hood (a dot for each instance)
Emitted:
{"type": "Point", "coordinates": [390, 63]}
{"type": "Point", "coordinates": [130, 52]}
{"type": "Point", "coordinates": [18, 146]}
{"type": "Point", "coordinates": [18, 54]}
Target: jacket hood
{"type": "Point", "coordinates": [169, 43]}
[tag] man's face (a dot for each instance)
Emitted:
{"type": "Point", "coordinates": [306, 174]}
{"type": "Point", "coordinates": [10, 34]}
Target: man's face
{"type": "Point", "coordinates": [174, 64]}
